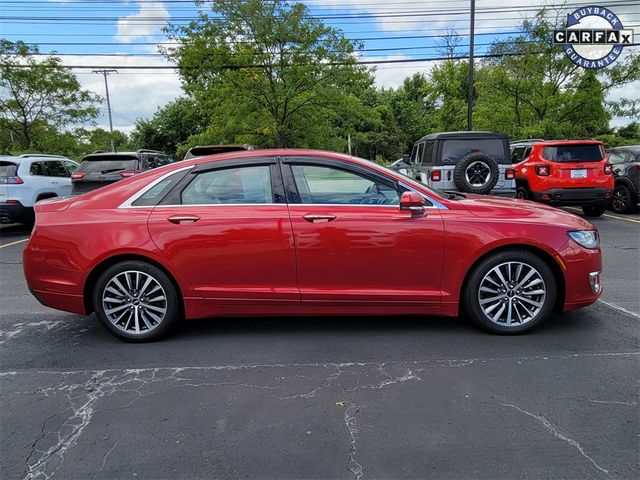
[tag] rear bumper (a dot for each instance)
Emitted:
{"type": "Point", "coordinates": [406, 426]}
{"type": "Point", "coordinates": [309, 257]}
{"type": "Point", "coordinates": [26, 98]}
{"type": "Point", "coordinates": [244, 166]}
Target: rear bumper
{"type": "Point", "coordinates": [573, 196]}
{"type": "Point", "coordinates": [16, 213]}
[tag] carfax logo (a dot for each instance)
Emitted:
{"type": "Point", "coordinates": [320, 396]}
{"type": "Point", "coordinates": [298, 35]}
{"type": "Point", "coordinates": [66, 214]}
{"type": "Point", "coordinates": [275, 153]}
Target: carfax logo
{"type": "Point", "coordinates": [594, 37]}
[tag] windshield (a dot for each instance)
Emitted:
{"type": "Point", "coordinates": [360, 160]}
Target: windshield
{"type": "Point", "coordinates": [573, 153]}
{"type": "Point", "coordinates": [454, 150]}
{"type": "Point", "coordinates": [108, 164]}
{"type": "Point", "coordinates": [8, 169]}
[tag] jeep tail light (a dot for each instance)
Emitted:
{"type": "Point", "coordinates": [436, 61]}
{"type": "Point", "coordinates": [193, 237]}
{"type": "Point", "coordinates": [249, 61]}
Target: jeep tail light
{"type": "Point", "coordinates": [129, 173]}
{"type": "Point", "coordinates": [510, 173]}
{"type": "Point", "coordinates": [11, 180]}
{"type": "Point", "coordinates": [78, 175]}
{"type": "Point", "coordinates": [607, 169]}
{"type": "Point", "coordinates": [436, 175]}
{"type": "Point", "coordinates": [543, 170]}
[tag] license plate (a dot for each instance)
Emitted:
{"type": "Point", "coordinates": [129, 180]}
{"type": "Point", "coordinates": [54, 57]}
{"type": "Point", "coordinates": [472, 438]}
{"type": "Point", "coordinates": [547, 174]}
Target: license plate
{"type": "Point", "coordinates": [578, 174]}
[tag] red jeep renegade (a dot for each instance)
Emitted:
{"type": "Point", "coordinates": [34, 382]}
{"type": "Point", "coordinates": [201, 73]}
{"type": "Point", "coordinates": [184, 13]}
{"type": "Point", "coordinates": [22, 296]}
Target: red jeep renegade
{"type": "Point", "coordinates": [564, 172]}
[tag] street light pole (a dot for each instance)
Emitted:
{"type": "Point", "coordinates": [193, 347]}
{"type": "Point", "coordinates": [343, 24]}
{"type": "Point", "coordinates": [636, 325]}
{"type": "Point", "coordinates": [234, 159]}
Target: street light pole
{"type": "Point", "coordinates": [105, 73]}
{"type": "Point", "coordinates": [470, 80]}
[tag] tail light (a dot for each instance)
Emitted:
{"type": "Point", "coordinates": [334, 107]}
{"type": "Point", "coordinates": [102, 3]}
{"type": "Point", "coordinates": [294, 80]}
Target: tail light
{"type": "Point", "coordinates": [607, 169]}
{"type": "Point", "coordinates": [11, 180]}
{"type": "Point", "coordinates": [543, 170]}
{"type": "Point", "coordinates": [436, 175]}
{"type": "Point", "coordinates": [78, 175]}
{"type": "Point", "coordinates": [129, 173]}
{"type": "Point", "coordinates": [510, 173]}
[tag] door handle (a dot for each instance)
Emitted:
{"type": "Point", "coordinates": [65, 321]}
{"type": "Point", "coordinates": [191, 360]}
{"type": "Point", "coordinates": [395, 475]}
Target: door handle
{"type": "Point", "coordinates": [319, 218]}
{"type": "Point", "coordinates": [178, 219]}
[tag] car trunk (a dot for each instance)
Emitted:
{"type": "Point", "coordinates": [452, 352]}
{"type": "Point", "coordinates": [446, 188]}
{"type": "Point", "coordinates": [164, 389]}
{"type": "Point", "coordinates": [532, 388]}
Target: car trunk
{"type": "Point", "coordinates": [100, 171]}
{"type": "Point", "coordinates": [8, 173]}
{"type": "Point", "coordinates": [577, 161]}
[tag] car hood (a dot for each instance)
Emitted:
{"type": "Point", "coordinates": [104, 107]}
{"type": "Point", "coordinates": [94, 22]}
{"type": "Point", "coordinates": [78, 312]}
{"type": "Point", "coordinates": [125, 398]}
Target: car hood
{"type": "Point", "coordinates": [511, 209]}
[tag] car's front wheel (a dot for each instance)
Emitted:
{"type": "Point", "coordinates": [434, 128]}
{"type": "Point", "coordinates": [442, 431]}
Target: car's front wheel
{"type": "Point", "coordinates": [510, 292]}
{"type": "Point", "coordinates": [136, 301]}
{"type": "Point", "coordinates": [594, 210]}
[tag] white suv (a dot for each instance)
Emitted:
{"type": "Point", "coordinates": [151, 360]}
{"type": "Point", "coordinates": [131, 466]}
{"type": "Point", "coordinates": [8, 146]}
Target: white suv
{"type": "Point", "coordinates": [26, 179]}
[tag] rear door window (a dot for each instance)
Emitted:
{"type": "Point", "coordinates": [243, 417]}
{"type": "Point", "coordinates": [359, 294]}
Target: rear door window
{"type": "Point", "coordinates": [453, 150]}
{"type": "Point", "coordinates": [573, 153]}
{"type": "Point", "coordinates": [427, 155]}
{"type": "Point", "coordinates": [244, 185]}
{"type": "Point", "coordinates": [108, 164]}
{"type": "Point", "coordinates": [55, 168]}
{"type": "Point", "coordinates": [37, 169]}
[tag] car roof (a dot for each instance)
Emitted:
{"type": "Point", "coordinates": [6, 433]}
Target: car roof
{"type": "Point", "coordinates": [564, 141]}
{"type": "Point", "coordinates": [626, 148]}
{"type": "Point", "coordinates": [462, 134]}
{"type": "Point", "coordinates": [31, 157]}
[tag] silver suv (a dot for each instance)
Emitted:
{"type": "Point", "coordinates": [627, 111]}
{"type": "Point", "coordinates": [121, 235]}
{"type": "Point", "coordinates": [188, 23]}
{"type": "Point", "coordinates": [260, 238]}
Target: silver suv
{"type": "Point", "coordinates": [470, 162]}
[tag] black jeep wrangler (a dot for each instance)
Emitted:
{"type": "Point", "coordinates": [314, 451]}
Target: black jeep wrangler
{"type": "Point", "coordinates": [471, 162]}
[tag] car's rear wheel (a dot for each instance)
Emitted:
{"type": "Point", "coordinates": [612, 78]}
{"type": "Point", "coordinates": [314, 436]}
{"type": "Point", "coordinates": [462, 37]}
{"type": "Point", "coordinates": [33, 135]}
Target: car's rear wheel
{"type": "Point", "coordinates": [523, 193]}
{"type": "Point", "coordinates": [594, 210]}
{"type": "Point", "coordinates": [136, 301]}
{"type": "Point", "coordinates": [623, 200]}
{"type": "Point", "coordinates": [510, 292]}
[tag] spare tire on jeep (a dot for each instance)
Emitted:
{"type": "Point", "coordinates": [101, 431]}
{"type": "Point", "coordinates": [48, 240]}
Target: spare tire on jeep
{"type": "Point", "coordinates": [476, 172]}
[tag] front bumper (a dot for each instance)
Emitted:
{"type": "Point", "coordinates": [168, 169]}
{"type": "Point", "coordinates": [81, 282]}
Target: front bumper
{"type": "Point", "coordinates": [16, 213]}
{"type": "Point", "coordinates": [583, 276]}
{"type": "Point", "coordinates": [573, 196]}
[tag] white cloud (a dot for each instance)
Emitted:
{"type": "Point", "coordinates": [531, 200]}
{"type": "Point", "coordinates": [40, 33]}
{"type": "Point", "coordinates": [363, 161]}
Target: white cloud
{"type": "Point", "coordinates": [391, 75]}
{"type": "Point", "coordinates": [134, 93]}
{"type": "Point", "coordinates": [137, 25]}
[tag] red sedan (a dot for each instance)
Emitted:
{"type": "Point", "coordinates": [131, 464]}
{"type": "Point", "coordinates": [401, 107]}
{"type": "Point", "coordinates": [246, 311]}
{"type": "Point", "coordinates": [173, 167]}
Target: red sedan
{"type": "Point", "coordinates": [299, 232]}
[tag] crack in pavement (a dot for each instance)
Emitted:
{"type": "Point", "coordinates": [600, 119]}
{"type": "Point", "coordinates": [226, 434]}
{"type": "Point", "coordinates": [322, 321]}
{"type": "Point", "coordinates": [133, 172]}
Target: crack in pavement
{"type": "Point", "coordinates": [554, 431]}
{"type": "Point", "coordinates": [349, 378]}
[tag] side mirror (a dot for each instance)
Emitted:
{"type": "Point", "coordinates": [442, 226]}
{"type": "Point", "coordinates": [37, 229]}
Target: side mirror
{"type": "Point", "coordinates": [414, 203]}
{"type": "Point", "coordinates": [406, 158]}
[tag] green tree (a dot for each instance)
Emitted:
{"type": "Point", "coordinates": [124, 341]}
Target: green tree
{"type": "Point", "coordinates": [38, 93]}
{"type": "Point", "coordinates": [268, 73]}
{"type": "Point", "coordinates": [171, 126]}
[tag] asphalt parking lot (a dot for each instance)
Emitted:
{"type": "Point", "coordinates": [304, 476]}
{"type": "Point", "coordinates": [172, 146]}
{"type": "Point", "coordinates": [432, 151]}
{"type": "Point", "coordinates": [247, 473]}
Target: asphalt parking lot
{"type": "Point", "coordinates": [324, 397]}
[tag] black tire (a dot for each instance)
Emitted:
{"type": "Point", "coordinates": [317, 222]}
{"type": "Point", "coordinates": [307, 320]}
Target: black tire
{"type": "Point", "coordinates": [624, 200]}
{"type": "Point", "coordinates": [471, 295]}
{"type": "Point", "coordinates": [172, 303]}
{"type": "Point", "coordinates": [523, 193]}
{"type": "Point", "coordinates": [484, 172]}
{"type": "Point", "coordinates": [595, 210]}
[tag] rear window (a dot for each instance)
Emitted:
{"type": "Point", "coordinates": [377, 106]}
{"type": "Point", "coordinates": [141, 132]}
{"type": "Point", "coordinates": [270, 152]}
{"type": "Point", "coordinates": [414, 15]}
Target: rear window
{"type": "Point", "coordinates": [8, 169]}
{"type": "Point", "coordinates": [108, 164]}
{"type": "Point", "coordinates": [454, 150]}
{"type": "Point", "coordinates": [573, 153]}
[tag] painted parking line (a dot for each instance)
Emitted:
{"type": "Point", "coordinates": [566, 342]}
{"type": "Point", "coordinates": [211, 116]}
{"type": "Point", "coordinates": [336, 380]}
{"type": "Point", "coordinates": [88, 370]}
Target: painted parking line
{"type": "Point", "coordinates": [619, 308]}
{"type": "Point", "coordinates": [14, 243]}
{"type": "Point", "coordinates": [633, 220]}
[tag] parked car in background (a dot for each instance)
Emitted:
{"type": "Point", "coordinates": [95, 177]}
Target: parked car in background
{"type": "Point", "coordinates": [471, 162]}
{"type": "Point", "coordinates": [27, 179]}
{"type": "Point", "coordinates": [302, 232]}
{"type": "Point", "coordinates": [204, 150]}
{"type": "Point", "coordinates": [625, 163]}
{"type": "Point", "coordinates": [103, 168]}
{"type": "Point", "coordinates": [564, 173]}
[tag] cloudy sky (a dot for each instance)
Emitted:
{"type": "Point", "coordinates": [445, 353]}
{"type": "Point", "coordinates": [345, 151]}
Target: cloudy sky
{"type": "Point", "coordinates": [126, 33]}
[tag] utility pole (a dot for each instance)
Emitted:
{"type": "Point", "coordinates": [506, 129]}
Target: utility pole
{"type": "Point", "coordinates": [105, 72]}
{"type": "Point", "coordinates": [470, 80]}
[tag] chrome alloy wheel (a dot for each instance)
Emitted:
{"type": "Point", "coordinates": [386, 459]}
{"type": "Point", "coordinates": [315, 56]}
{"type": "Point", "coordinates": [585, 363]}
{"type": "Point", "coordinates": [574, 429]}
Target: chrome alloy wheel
{"type": "Point", "coordinates": [134, 302]}
{"type": "Point", "coordinates": [477, 173]}
{"type": "Point", "coordinates": [512, 294]}
{"type": "Point", "coordinates": [621, 199]}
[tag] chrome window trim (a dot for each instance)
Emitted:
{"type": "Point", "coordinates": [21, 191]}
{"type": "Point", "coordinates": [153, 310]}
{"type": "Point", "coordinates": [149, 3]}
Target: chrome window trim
{"type": "Point", "coordinates": [128, 203]}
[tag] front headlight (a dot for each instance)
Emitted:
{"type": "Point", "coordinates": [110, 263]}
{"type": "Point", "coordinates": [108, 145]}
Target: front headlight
{"type": "Point", "coordinates": [586, 238]}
